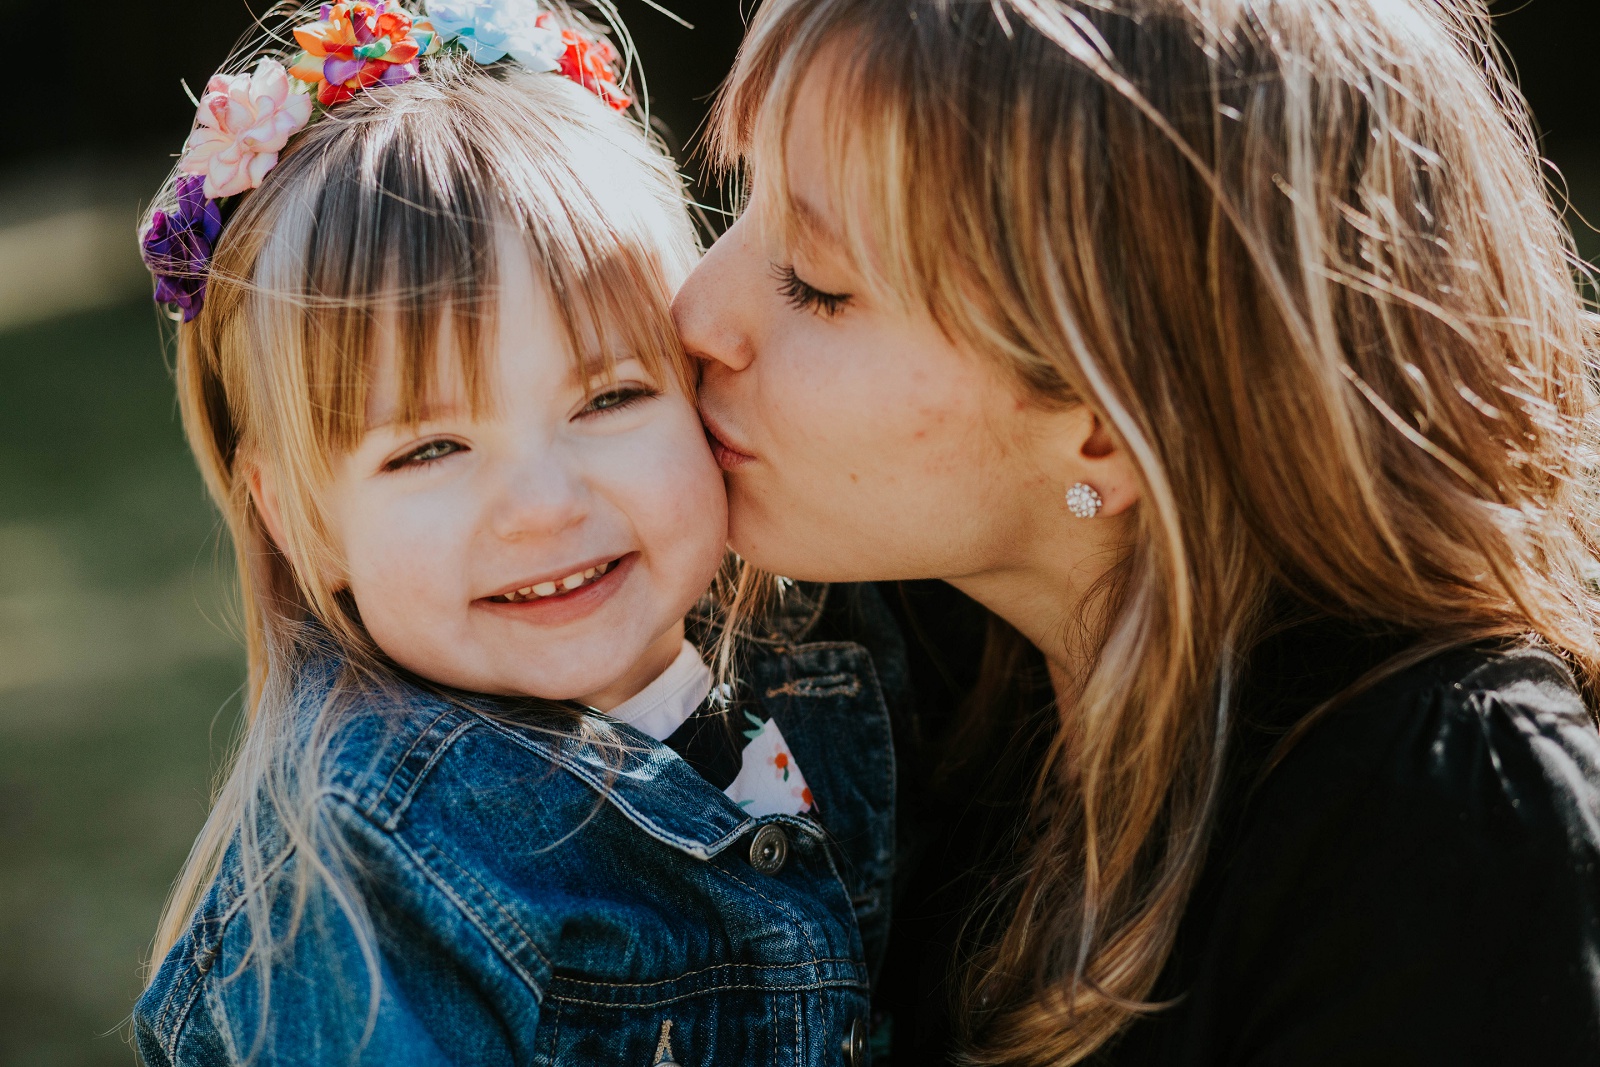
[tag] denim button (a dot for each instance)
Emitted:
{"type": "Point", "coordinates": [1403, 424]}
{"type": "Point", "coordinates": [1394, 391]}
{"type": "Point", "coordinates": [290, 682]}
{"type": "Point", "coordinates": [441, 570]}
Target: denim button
{"type": "Point", "coordinates": [855, 1045]}
{"type": "Point", "coordinates": [769, 848]}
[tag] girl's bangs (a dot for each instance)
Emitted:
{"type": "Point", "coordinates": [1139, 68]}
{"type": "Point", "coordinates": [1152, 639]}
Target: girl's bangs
{"type": "Point", "coordinates": [421, 197]}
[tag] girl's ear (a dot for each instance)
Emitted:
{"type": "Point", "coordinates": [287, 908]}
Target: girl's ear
{"type": "Point", "coordinates": [264, 495]}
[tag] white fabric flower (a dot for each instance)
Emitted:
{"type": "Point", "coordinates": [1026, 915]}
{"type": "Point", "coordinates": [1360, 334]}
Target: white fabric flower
{"type": "Point", "coordinates": [490, 30]}
{"type": "Point", "coordinates": [243, 123]}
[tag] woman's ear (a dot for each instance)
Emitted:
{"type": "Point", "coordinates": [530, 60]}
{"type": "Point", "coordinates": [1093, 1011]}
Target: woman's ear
{"type": "Point", "coordinates": [1082, 454]}
{"type": "Point", "coordinates": [1107, 467]}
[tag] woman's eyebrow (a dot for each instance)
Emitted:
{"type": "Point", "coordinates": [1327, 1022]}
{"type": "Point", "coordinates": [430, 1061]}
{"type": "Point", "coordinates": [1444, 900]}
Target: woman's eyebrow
{"type": "Point", "coordinates": [814, 223]}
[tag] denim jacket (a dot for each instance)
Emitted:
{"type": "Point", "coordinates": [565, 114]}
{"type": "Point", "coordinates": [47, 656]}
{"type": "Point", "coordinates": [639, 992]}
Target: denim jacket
{"type": "Point", "coordinates": [541, 900]}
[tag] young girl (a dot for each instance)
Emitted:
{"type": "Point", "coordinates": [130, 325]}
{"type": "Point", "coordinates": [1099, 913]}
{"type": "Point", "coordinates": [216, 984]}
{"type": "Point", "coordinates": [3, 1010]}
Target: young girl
{"type": "Point", "coordinates": [427, 367]}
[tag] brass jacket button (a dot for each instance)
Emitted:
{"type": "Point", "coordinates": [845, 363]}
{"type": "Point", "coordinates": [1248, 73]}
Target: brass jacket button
{"type": "Point", "coordinates": [769, 849]}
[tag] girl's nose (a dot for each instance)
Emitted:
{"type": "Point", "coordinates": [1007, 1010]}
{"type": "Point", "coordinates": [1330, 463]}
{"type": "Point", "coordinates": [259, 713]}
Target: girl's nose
{"type": "Point", "coordinates": [538, 498]}
{"type": "Point", "coordinates": [719, 300]}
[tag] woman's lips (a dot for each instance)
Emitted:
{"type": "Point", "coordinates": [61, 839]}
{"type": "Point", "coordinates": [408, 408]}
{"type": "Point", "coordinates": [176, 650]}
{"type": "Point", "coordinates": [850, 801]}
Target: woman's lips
{"type": "Point", "coordinates": [728, 456]}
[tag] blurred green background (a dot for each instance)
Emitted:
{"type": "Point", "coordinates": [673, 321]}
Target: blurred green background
{"type": "Point", "coordinates": [119, 672]}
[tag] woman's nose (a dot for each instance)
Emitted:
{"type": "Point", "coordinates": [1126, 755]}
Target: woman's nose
{"type": "Point", "coordinates": [719, 301]}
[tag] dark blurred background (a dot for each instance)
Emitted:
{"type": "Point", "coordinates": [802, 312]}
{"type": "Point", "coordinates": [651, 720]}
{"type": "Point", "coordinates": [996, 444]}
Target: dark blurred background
{"type": "Point", "coordinates": [119, 673]}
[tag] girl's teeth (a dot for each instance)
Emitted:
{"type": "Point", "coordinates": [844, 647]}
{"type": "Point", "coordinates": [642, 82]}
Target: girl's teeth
{"type": "Point", "coordinates": [566, 585]}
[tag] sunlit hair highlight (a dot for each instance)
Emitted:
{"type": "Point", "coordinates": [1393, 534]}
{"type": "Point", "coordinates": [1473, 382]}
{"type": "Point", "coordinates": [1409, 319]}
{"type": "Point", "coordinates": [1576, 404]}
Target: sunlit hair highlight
{"type": "Point", "coordinates": [377, 231]}
{"type": "Point", "coordinates": [1301, 260]}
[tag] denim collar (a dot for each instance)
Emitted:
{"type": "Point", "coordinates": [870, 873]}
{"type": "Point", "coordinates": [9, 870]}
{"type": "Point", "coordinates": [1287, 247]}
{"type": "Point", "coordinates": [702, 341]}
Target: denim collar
{"type": "Point", "coordinates": [650, 785]}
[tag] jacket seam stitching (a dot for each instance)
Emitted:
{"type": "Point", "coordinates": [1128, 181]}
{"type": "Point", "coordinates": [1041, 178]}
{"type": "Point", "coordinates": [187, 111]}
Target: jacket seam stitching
{"type": "Point", "coordinates": [708, 970]}
{"type": "Point", "coordinates": [392, 822]}
{"type": "Point", "coordinates": [811, 987]}
{"type": "Point", "coordinates": [471, 914]}
{"type": "Point", "coordinates": [371, 808]}
{"type": "Point", "coordinates": [779, 905]}
{"type": "Point", "coordinates": [499, 905]}
{"type": "Point", "coordinates": [183, 1017]}
{"type": "Point", "coordinates": [200, 969]}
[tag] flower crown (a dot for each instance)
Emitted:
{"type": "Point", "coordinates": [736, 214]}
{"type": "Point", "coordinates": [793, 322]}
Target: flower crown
{"type": "Point", "coordinates": [245, 120]}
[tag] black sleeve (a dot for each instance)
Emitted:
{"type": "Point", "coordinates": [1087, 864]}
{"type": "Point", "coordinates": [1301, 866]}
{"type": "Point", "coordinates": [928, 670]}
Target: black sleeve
{"type": "Point", "coordinates": [1436, 905]}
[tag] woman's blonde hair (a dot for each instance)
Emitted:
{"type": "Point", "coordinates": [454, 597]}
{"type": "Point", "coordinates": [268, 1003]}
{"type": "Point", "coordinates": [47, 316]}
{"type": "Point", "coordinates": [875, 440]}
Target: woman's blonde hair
{"type": "Point", "coordinates": [378, 226]}
{"type": "Point", "coordinates": [1299, 256]}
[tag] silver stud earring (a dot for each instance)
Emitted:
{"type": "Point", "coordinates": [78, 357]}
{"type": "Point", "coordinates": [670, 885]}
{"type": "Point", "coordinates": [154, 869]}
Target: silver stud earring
{"type": "Point", "coordinates": [1083, 501]}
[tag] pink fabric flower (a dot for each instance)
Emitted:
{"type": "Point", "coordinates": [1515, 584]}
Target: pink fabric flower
{"type": "Point", "coordinates": [244, 122]}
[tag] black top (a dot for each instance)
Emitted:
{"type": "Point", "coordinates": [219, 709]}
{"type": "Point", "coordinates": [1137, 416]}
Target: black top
{"type": "Point", "coordinates": [1417, 882]}
{"type": "Point", "coordinates": [710, 742]}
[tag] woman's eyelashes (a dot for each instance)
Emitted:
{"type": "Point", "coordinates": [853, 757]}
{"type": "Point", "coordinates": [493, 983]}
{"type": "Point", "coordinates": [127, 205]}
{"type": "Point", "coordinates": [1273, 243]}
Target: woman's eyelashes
{"type": "Point", "coordinates": [424, 454]}
{"type": "Point", "coordinates": [805, 297]}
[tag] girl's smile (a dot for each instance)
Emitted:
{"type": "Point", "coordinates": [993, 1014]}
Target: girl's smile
{"type": "Point", "coordinates": [542, 589]}
{"type": "Point", "coordinates": [556, 603]}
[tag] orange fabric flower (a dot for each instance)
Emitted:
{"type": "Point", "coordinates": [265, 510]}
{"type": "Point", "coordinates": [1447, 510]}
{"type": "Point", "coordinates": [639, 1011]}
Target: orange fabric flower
{"type": "Point", "coordinates": [357, 44]}
{"type": "Point", "coordinates": [591, 62]}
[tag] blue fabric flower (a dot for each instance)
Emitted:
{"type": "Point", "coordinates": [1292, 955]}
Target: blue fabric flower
{"type": "Point", "coordinates": [490, 30]}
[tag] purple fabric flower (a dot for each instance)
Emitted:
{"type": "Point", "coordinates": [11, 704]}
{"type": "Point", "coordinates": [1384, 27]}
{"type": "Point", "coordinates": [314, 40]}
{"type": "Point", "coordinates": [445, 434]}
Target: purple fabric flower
{"type": "Point", "coordinates": [399, 73]}
{"type": "Point", "coordinates": [177, 247]}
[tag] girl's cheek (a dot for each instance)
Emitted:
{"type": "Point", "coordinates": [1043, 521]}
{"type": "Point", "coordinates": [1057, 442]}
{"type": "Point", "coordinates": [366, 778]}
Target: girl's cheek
{"type": "Point", "coordinates": [679, 483]}
{"type": "Point", "coordinates": [397, 541]}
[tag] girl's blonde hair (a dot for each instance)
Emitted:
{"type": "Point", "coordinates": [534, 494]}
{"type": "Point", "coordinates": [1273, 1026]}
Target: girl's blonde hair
{"type": "Point", "coordinates": [1299, 256]}
{"type": "Point", "coordinates": [380, 222]}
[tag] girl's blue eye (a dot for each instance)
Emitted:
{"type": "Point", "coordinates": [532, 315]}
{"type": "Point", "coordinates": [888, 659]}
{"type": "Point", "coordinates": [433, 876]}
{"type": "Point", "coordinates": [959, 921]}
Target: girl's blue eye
{"type": "Point", "coordinates": [804, 297]}
{"type": "Point", "coordinates": [423, 454]}
{"type": "Point", "coordinates": [618, 398]}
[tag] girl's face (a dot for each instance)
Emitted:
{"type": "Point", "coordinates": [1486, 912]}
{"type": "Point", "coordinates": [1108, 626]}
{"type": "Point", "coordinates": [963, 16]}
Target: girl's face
{"type": "Point", "coordinates": [547, 547]}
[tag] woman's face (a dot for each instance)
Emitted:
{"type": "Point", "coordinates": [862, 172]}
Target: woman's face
{"type": "Point", "coordinates": [859, 441]}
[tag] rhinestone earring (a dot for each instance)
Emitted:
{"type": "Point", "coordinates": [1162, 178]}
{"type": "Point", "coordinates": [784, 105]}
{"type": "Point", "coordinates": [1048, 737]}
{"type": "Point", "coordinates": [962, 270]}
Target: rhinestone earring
{"type": "Point", "coordinates": [1083, 501]}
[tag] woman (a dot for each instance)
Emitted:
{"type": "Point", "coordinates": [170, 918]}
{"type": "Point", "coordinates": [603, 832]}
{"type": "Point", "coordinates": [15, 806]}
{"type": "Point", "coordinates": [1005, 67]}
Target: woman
{"type": "Point", "coordinates": [1229, 353]}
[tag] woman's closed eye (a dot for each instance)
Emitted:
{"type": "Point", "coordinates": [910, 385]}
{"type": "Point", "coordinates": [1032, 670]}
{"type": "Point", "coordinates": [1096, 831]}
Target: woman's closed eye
{"type": "Point", "coordinates": [424, 454]}
{"type": "Point", "coordinates": [803, 296]}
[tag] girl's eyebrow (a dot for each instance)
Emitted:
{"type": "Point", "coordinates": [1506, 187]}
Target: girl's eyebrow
{"type": "Point", "coordinates": [598, 366]}
{"type": "Point", "coordinates": [429, 413]}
